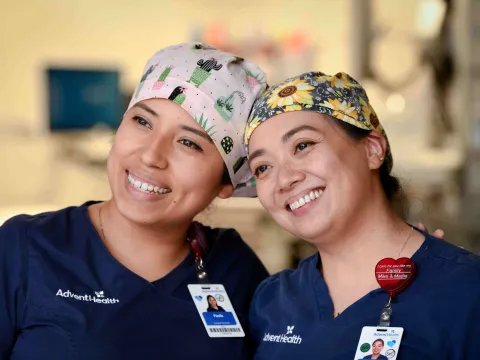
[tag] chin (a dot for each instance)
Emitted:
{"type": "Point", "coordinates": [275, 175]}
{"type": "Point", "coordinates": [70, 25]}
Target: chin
{"type": "Point", "coordinates": [306, 229]}
{"type": "Point", "coordinates": [139, 213]}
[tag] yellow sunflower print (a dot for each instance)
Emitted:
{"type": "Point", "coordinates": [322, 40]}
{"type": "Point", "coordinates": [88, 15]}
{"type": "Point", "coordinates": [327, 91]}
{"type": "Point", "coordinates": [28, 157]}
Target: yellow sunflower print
{"type": "Point", "coordinates": [252, 125]}
{"type": "Point", "coordinates": [291, 95]}
{"type": "Point", "coordinates": [344, 111]}
{"type": "Point", "coordinates": [339, 81]}
{"type": "Point", "coordinates": [370, 116]}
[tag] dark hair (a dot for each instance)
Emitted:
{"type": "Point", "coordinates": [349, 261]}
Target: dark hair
{"type": "Point", "coordinates": [226, 176]}
{"type": "Point", "coordinates": [390, 184]}
{"type": "Point", "coordinates": [210, 296]}
{"type": "Point", "coordinates": [379, 340]}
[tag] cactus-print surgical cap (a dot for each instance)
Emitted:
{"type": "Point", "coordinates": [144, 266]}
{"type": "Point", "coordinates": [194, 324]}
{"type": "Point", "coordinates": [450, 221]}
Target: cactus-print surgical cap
{"type": "Point", "coordinates": [217, 89]}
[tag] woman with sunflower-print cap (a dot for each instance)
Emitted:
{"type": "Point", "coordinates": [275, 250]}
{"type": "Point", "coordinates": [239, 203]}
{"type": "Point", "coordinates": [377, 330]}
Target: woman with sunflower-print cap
{"type": "Point", "coordinates": [323, 167]}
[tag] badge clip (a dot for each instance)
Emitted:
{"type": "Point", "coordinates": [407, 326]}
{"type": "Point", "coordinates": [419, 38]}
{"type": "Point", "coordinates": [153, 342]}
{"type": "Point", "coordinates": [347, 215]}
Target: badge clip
{"type": "Point", "coordinates": [201, 272]}
{"type": "Point", "coordinates": [386, 314]}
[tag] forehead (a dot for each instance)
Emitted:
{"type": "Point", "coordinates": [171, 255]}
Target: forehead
{"type": "Point", "coordinates": [164, 108]}
{"type": "Point", "coordinates": [276, 127]}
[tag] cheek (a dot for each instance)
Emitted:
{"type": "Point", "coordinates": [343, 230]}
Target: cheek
{"type": "Point", "coordinates": [202, 176]}
{"type": "Point", "coordinates": [265, 193]}
{"type": "Point", "coordinates": [122, 143]}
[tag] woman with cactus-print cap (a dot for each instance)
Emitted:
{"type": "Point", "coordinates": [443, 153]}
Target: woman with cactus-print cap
{"type": "Point", "coordinates": [113, 279]}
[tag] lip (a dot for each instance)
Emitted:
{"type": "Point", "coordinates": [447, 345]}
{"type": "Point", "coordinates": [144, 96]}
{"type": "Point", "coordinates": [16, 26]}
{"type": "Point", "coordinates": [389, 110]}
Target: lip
{"type": "Point", "coordinates": [302, 194]}
{"type": "Point", "coordinates": [143, 177]}
{"type": "Point", "coordinates": [143, 196]}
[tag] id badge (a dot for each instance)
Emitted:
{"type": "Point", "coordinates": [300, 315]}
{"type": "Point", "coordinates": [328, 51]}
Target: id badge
{"type": "Point", "coordinates": [216, 310]}
{"type": "Point", "coordinates": [380, 343]}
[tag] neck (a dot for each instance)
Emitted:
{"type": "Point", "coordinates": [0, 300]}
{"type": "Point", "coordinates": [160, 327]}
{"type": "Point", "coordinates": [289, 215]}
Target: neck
{"type": "Point", "coordinates": [350, 252]}
{"type": "Point", "coordinates": [365, 241]}
{"type": "Point", "coordinates": [148, 250]}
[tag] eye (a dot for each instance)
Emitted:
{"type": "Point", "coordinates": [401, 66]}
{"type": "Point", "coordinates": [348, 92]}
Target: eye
{"type": "Point", "coordinates": [260, 170]}
{"type": "Point", "coordinates": [190, 144]}
{"type": "Point", "coordinates": [142, 122]}
{"type": "Point", "coordinates": [303, 145]}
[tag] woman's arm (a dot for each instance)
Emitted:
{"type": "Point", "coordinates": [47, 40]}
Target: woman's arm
{"type": "Point", "coordinates": [12, 284]}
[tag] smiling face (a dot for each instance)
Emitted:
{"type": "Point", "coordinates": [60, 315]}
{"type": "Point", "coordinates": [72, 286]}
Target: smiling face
{"type": "Point", "coordinates": [163, 167]}
{"type": "Point", "coordinates": [212, 301]}
{"type": "Point", "coordinates": [377, 347]}
{"type": "Point", "coordinates": [311, 176]}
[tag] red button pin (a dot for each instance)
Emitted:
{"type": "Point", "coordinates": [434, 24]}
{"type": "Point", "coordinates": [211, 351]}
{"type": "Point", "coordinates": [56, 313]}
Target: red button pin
{"type": "Point", "coordinates": [393, 275]}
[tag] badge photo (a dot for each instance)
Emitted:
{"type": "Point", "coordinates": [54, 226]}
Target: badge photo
{"type": "Point", "coordinates": [216, 310]}
{"type": "Point", "coordinates": [380, 343]}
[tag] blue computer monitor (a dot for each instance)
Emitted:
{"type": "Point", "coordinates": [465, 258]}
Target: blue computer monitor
{"type": "Point", "coordinates": [81, 99]}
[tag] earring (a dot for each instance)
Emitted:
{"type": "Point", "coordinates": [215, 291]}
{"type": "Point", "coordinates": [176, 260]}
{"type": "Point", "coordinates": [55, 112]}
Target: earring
{"type": "Point", "coordinates": [381, 159]}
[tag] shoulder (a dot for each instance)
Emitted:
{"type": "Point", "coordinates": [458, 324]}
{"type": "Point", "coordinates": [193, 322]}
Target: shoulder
{"type": "Point", "coordinates": [39, 227]}
{"type": "Point", "coordinates": [451, 258]}
{"type": "Point", "coordinates": [287, 280]}
{"type": "Point", "coordinates": [450, 266]}
{"type": "Point", "coordinates": [233, 260]}
{"type": "Point", "coordinates": [228, 242]}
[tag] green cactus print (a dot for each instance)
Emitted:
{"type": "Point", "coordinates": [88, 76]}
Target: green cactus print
{"type": "Point", "coordinates": [161, 79]}
{"type": "Point", "coordinates": [178, 95]}
{"type": "Point", "coordinates": [254, 80]}
{"type": "Point", "coordinates": [227, 144]}
{"type": "Point", "coordinates": [238, 164]}
{"type": "Point", "coordinates": [165, 73]}
{"type": "Point", "coordinates": [199, 46]}
{"type": "Point", "coordinates": [203, 71]}
{"type": "Point", "coordinates": [180, 99]}
{"type": "Point", "coordinates": [144, 77]}
{"type": "Point", "coordinates": [203, 122]}
{"type": "Point", "coordinates": [252, 182]}
{"type": "Point", "coordinates": [225, 105]}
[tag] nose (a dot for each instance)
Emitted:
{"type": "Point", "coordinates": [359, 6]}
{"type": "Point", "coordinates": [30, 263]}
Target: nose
{"type": "Point", "coordinates": [288, 176]}
{"type": "Point", "coordinates": [155, 151]}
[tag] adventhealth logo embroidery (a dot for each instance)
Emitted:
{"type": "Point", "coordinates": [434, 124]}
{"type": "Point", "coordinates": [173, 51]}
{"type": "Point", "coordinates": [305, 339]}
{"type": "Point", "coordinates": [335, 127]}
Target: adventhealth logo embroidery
{"type": "Point", "coordinates": [99, 297]}
{"type": "Point", "coordinates": [284, 338]}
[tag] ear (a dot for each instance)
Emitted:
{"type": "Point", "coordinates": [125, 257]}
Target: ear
{"type": "Point", "coordinates": [226, 191]}
{"type": "Point", "coordinates": [376, 148]}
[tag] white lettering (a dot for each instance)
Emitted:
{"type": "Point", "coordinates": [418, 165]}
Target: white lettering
{"type": "Point", "coordinates": [283, 338]}
{"type": "Point", "coordinates": [87, 298]}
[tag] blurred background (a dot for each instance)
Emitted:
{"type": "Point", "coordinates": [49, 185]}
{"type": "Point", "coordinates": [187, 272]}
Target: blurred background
{"type": "Point", "coordinates": [69, 67]}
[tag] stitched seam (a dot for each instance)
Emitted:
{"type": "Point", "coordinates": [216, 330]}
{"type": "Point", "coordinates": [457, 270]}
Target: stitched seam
{"type": "Point", "coordinates": [62, 328]}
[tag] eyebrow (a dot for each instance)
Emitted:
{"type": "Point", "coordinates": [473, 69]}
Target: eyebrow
{"type": "Point", "coordinates": [256, 154]}
{"type": "Point", "coordinates": [146, 108]}
{"type": "Point", "coordinates": [198, 132]}
{"type": "Point", "coordinates": [285, 138]}
{"type": "Point", "coordinates": [296, 130]}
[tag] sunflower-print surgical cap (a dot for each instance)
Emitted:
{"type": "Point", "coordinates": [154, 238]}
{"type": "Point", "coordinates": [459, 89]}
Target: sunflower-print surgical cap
{"type": "Point", "coordinates": [339, 96]}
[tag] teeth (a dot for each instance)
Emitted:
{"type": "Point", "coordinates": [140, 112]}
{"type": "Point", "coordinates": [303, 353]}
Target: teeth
{"type": "Point", "coordinates": [145, 187]}
{"type": "Point", "coordinates": [305, 199]}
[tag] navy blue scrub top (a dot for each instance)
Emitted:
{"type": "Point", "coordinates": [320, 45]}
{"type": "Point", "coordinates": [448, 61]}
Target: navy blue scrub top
{"type": "Point", "coordinates": [291, 314]}
{"type": "Point", "coordinates": [64, 296]}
